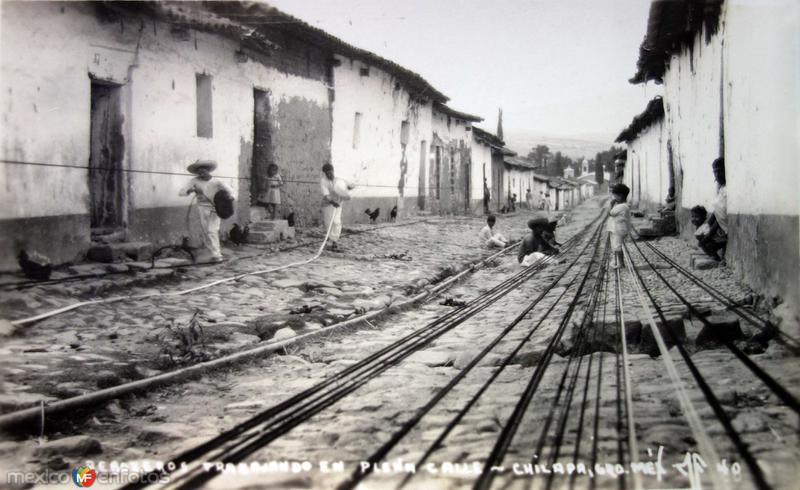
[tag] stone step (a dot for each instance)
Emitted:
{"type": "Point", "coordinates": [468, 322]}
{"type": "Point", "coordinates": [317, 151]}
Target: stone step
{"type": "Point", "coordinates": [263, 236]}
{"type": "Point", "coordinates": [269, 225]}
{"type": "Point", "coordinates": [112, 252]}
{"type": "Point", "coordinates": [108, 235]}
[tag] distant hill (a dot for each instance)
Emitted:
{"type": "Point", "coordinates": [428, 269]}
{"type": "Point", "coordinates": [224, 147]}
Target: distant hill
{"type": "Point", "coordinates": [523, 141]}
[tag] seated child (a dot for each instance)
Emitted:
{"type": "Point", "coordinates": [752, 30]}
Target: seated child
{"type": "Point", "coordinates": [709, 242]}
{"type": "Point", "coordinates": [271, 199]}
{"type": "Point", "coordinates": [489, 238]}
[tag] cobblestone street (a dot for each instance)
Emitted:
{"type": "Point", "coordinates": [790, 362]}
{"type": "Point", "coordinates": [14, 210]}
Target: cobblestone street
{"type": "Point", "coordinates": [124, 338]}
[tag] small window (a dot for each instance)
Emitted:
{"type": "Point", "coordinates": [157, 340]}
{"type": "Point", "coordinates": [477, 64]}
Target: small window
{"type": "Point", "coordinates": [364, 71]}
{"type": "Point", "coordinates": [404, 129]}
{"type": "Point", "coordinates": [356, 130]}
{"type": "Point", "coordinates": [205, 118]}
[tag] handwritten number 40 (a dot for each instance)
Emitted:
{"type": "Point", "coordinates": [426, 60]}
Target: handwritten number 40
{"type": "Point", "coordinates": [693, 465]}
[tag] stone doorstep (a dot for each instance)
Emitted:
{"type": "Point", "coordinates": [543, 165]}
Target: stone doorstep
{"type": "Point", "coordinates": [263, 237]}
{"type": "Point", "coordinates": [269, 225]}
{"type": "Point", "coordinates": [111, 252]}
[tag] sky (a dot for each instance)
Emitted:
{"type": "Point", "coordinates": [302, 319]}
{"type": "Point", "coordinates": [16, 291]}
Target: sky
{"type": "Point", "coordinates": [556, 67]}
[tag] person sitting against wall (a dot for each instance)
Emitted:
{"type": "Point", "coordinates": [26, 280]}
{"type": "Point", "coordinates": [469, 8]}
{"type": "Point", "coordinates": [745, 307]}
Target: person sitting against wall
{"type": "Point", "coordinates": [667, 213]}
{"type": "Point", "coordinates": [705, 240]}
{"type": "Point", "coordinates": [489, 238]}
{"type": "Point", "coordinates": [718, 220]}
{"type": "Point", "coordinates": [669, 206]}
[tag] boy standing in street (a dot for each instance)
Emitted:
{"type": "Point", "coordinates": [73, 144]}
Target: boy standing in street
{"type": "Point", "coordinates": [205, 187]}
{"type": "Point", "coordinates": [619, 222]}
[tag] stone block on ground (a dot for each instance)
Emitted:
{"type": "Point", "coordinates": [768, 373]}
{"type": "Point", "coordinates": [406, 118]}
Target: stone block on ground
{"type": "Point", "coordinates": [433, 358]}
{"type": "Point", "coordinates": [263, 237]}
{"type": "Point", "coordinates": [132, 250]}
{"type": "Point", "coordinates": [160, 433]}
{"type": "Point", "coordinates": [74, 447]}
{"type": "Point", "coordinates": [718, 328]}
{"type": "Point", "coordinates": [703, 262]}
{"type": "Point", "coordinates": [648, 232]}
{"type": "Point", "coordinates": [100, 253]}
{"type": "Point", "coordinates": [284, 334]}
{"type": "Point", "coordinates": [672, 331]}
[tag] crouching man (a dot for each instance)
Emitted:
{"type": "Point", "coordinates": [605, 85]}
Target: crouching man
{"type": "Point", "coordinates": [534, 247]}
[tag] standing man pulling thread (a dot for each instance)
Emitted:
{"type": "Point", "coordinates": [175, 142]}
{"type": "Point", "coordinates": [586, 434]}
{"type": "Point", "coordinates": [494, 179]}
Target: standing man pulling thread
{"type": "Point", "coordinates": [206, 188]}
{"type": "Point", "coordinates": [334, 192]}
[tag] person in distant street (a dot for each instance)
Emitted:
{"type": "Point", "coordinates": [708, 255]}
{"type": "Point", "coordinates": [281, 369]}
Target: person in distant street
{"type": "Point", "coordinates": [705, 240]}
{"type": "Point", "coordinates": [512, 203]}
{"type": "Point", "coordinates": [541, 200]}
{"type": "Point", "coordinates": [334, 192]}
{"type": "Point", "coordinates": [205, 187]}
{"type": "Point", "coordinates": [529, 199]}
{"type": "Point", "coordinates": [619, 222]}
{"type": "Point", "coordinates": [486, 197]}
{"type": "Point", "coordinates": [547, 204]}
{"type": "Point", "coordinates": [489, 238]}
{"type": "Point", "coordinates": [534, 247]}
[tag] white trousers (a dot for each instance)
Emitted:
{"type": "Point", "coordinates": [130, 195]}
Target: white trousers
{"type": "Point", "coordinates": [332, 213]}
{"type": "Point", "coordinates": [496, 241]}
{"type": "Point", "coordinates": [210, 223]}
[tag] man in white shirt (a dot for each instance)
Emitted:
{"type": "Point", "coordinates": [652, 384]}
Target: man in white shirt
{"type": "Point", "coordinates": [489, 238]}
{"type": "Point", "coordinates": [334, 192]}
{"type": "Point", "coordinates": [205, 187]}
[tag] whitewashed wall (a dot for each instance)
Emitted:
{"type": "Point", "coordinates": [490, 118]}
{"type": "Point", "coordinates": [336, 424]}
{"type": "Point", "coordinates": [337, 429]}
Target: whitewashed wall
{"type": "Point", "coordinates": [762, 149]}
{"type": "Point", "coordinates": [692, 115]}
{"type": "Point", "coordinates": [66, 47]}
{"type": "Point", "coordinates": [378, 162]}
{"type": "Point", "coordinates": [456, 148]}
{"type": "Point", "coordinates": [482, 167]}
{"type": "Point", "coordinates": [647, 168]}
{"type": "Point", "coordinates": [49, 51]}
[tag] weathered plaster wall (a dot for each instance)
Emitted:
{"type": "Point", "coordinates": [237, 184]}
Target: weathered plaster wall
{"type": "Point", "coordinates": [455, 143]}
{"type": "Point", "coordinates": [692, 115]}
{"type": "Point", "coordinates": [481, 167]}
{"type": "Point", "coordinates": [761, 107]}
{"type": "Point", "coordinates": [50, 90]}
{"type": "Point", "coordinates": [378, 162]}
{"type": "Point", "coordinates": [647, 171]}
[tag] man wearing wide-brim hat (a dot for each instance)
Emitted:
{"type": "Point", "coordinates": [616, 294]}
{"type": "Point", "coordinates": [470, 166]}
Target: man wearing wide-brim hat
{"type": "Point", "coordinates": [205, 187]}
{"type": "Point", "coordinates": [534, 247]}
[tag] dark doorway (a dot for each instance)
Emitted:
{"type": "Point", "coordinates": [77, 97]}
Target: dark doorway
{"type": "Point", "coordinates": [106, 152]}
{"type": "Point", "coordinates": [497, 183]}
{"type": "Point", "coordinates": [262, 144]}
